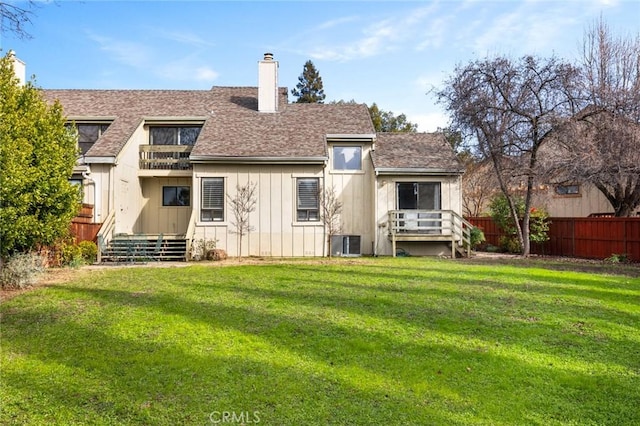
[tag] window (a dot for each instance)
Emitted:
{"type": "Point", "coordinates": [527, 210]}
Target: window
{"type": "Point", "coordinates": [167, 135]}
{"type": "Point", "coordinates": [308, 203]}
{"type": "Point", "coordinates": [212, 200]}
{"type": "Point", "coordinates": [418, 195]}
{"type": "Point", "coordinates": [347, 158]}
{"type": "Point", "coordinates": [568, 189]}
{"type": "Point", "coordinates": [176, 195]}
{"type": "Point", "coordinates": [88, 134]}
{"type": "Point", "coordinates": [351, 245]}
{"type": "Point", "coordinates": [345, 245]}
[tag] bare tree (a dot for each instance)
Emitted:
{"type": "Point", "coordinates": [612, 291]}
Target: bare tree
{"type": "Point", "coordinates": [242, 205]}
{"type": "Point", "coordinates": [510, 108]}
{"type": "Point", "coordinates": [601, 144]}
{"type": "Point", "coordinates": [330, 210]}
{"type": "Point", "coordinates": [479, 186]}
{"type": "Point", "coordinates": [13, 18]}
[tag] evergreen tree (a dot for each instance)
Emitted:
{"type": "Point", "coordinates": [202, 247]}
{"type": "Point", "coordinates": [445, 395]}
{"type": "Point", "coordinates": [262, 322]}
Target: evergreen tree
{"type": "Point", "coordinates": [309, 89]}
{"type": "Point", "coordinates": [386, 121]}
{"type": "Point", "coordinates": [37, 155]}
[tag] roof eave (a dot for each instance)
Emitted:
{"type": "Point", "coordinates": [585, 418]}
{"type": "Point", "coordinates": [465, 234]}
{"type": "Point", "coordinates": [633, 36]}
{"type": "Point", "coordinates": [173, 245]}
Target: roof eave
{"type": "Point", "coordinates": [257, 160]}
{"type": "Point", "coordinates": [345, 137]}
{"type": "Point", "coordinates": [100, 160]}
{"type": "Point", "coordinates": [416, 171]}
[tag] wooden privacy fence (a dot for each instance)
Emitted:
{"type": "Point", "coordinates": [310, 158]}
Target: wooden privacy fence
{"type": "Point", "coordinates": [82, 226]}
{"type": "Point", "coordinates": [588, 237]}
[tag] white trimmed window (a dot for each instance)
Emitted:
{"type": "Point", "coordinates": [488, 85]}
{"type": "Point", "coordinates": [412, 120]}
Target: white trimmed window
{"type": "Point", "coordinates": [170, 135]}
{"type": "Point", "coordinates": [212, 209]}
{"type": "Point", "coordinates": [308, 204]}
{"type": "Point", "coordinates": [347, 158]}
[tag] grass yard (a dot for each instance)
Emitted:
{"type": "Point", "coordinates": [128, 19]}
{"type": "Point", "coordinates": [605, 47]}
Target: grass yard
{"type": "Point", "coordinates": [407, 341]}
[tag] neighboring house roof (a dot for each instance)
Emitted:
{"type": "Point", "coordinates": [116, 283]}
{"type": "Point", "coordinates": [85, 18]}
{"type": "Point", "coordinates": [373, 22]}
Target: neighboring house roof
{"type": "Point", "coordinates": [414, 153]}
{"type": "Point", "coordinates": [233, 128]}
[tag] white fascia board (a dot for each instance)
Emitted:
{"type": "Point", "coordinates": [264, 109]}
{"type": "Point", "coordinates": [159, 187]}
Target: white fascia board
{"type": "Point", "coordinates": [100, 160]}
{"type": "Point", "coordinates": [415, 171]}
{"type": "Point", "coordinates": [257, 160]}
{"type": "Point", "coordinates": [174, 119]}
{"type": "Point", "coordinates": [340, 137]}
{"type": "Point", "coordinates": [90, 118]}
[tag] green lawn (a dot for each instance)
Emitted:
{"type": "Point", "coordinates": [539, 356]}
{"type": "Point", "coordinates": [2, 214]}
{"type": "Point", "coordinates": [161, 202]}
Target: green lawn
{"type": "Point", "coordinates": [408, 341]}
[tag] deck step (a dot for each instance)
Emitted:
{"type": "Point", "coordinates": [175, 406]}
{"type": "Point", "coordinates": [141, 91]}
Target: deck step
{"type": "Point", "coordinates": [144, 248]}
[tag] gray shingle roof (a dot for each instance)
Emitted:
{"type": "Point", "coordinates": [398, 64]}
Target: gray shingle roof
{"type": "Point", "coordinates": [421, 152]}
{"type": "Point", "coordinates": [233, 126]}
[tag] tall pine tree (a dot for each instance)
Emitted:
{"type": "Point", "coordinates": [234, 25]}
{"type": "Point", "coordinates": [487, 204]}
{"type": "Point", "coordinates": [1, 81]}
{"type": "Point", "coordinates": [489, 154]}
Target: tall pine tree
{"type": "Point", "coordinates": [309, 89]}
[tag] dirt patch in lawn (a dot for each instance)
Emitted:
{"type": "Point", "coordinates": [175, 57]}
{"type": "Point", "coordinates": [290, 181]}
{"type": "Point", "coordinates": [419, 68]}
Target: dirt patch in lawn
{"type": "Point", "coordinates": [557, 263]}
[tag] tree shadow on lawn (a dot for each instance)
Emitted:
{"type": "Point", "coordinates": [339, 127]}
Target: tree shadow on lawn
{"type": "Point", "coordinates": [527, 280]}
{"type": "Point", "coordinates": [404, 382]}
{"type": "Point", "coordinates": [583, 296]}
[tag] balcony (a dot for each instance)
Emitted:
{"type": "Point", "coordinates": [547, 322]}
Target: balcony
{"type": "Point", "coordinates": [165, 157]}
{"type": "Point", "coordinates": [429, 225]}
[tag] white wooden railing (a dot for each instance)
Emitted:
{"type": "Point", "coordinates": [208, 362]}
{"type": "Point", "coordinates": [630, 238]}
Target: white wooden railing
{"type": "Point", "coordinates": [430, 225]}
{"type": "Point", "coordinates": [105, 233]}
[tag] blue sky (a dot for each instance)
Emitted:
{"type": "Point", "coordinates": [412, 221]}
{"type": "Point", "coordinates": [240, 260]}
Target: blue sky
{"type": "Point", "coordinates": [390, 53]}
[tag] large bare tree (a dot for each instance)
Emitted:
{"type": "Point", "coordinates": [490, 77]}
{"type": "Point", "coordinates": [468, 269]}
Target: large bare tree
{"type": "Point", "coordinates": [14, 18]}
{"type": "Point", "coordinates": [601, 144]}
{"type": "Point", "coordinates": [510, 107]}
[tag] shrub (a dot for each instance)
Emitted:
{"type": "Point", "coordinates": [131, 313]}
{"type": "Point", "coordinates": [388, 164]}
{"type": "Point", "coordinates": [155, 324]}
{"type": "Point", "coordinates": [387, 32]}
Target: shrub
{"type": "Point", "coordinates": [200, 248]}
{"type": "Point", "coordinates": [21, 270]}
{"type": "Point", "coordinates": [476, 237]}
{"type": "Point", "coordinates": [71, 255]}
{"type": "Point", "coordinates": [501, 214]}
{"type": "Point", "coordinates": [617, 258]}
{"type": "Point", "coordinates": [89, 251]}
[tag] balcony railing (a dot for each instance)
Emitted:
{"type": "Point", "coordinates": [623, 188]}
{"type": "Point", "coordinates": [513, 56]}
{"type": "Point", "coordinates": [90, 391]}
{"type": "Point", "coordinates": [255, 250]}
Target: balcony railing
{"type": "Point", "coordinates": [165, 157]}
{"type": "Point", "coordinates": [429, 225]}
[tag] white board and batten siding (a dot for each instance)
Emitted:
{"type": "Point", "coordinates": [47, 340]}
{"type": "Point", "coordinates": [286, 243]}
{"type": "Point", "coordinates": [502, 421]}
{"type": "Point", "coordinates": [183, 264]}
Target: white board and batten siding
{"type": "Point", "coordinates": [276, 231]}
{"type": "Point", "coordinates": [387, 199]}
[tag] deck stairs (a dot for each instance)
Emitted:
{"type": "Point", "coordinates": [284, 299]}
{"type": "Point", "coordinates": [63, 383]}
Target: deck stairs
{"type": "Point", "coordinates": [142, 248]}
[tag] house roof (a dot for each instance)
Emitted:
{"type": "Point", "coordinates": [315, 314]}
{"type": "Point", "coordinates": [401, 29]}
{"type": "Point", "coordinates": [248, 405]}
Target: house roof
{"type": "Point", "coordinates": [233, 128]}
{"type": "Point", "coordinates": [414, 153]}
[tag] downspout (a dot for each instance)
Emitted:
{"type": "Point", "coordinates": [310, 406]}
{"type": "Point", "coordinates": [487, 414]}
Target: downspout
{"type": "Point", "coordinates": [325, 240]}
{"type": "Point", "coordinates": [375, 214]}
{"type": "Point", "coordinates": [96, 200]}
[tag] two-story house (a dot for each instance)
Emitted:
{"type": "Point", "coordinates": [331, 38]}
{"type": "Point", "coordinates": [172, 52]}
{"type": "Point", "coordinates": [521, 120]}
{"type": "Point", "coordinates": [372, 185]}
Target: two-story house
{"type": "Point", "coordinates": [166, 163]}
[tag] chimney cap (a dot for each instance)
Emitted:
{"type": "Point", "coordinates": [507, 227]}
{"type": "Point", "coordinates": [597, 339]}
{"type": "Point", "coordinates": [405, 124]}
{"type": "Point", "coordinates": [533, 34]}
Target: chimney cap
{"type": "Point", "coordinates": [268, 56]}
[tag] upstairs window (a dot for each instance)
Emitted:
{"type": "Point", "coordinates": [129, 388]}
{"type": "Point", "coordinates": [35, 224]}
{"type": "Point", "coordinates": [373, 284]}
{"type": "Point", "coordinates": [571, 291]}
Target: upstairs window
{"type": "Point", "coordinates": [88, 134]}
{"type": "Point", "coordinates": [172, 135]}
{"type": "Point", "coordinates": [347, 158]}
{"type": "Point", "coordinates": [307, 200]}
{"type": "Point", "coordinates": [212, 209]}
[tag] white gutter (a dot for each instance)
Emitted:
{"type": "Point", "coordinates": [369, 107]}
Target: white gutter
{"type": "Point", "coordinates": [257, 160]}
{"type": "Point", "coordinates": [100, 160]}
{"type": "Point", "coordinates": [415, 171]}
{"type": "Point", "coordinates": [96, 200]}
{"type": "Point", "coordinates": [338, 137]}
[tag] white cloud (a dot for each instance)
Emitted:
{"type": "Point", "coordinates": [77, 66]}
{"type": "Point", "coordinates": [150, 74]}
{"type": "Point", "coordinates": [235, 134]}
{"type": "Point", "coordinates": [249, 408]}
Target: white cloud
{"type": "Point", "coordinates": [429, 122]}
{"type": "Point", "coordinates": [126, 52]}
{"type": "Point", "coordinates": [205, 74]}
{"type": "Point", "coordinates": [184, 37]}
{"type": "Point", "coordinates": [380, 37]}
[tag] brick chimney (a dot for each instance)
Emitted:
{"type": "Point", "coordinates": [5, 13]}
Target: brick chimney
{"type": "Point", "coordinates": [268, 84]}
{"type": "Point", "coordinates": [19, 68]}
